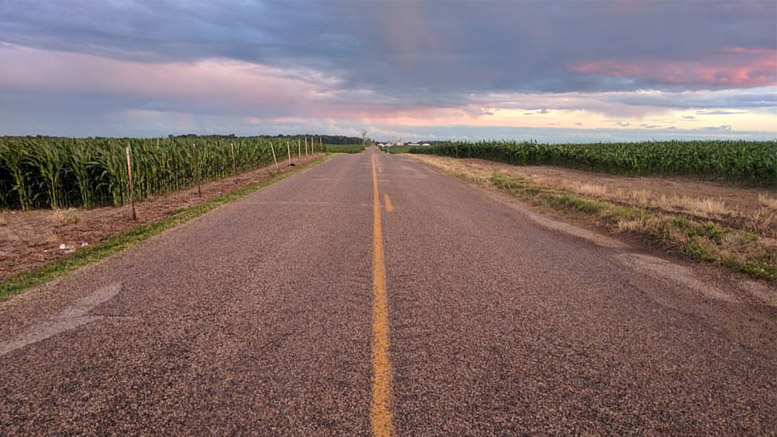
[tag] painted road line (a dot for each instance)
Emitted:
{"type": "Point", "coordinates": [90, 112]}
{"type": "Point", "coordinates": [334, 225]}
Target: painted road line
{"type": "Point", "coordinates": [389, 206]}
{"type": "Point", "coordinates": [380, 412]}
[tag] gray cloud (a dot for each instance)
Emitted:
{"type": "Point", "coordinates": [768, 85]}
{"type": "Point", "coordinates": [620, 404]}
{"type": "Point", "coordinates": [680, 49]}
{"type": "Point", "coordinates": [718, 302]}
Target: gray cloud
{"type": "Point", "coordinates": [404, 48]}
{"type": "Point", "coordinates": [395, 55]}
{"type": "Point", "coordinates": [719, 112]}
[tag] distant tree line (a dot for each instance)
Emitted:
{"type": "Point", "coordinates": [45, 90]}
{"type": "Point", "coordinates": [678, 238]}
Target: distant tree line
{"type": "Point", "coordinates": [326, 139]}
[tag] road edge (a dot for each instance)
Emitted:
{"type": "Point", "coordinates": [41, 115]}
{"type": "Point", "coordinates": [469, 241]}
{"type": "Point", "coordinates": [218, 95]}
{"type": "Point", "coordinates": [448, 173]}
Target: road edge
{"type": "Point", "coordinates": [503, 193]}
{"type": "Point", "coordinates": [117, 243]}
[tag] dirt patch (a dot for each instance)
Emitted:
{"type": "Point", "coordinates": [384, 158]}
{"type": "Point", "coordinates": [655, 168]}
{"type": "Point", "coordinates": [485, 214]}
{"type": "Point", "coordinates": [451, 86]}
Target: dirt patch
{"type": "Point", "coordinates": [29, 239]}
{"type": "Point", "coordinates": [677, 218]}
{"type": "Point", "coordinates": [736, 197]}
{"type": "Point", "coordinates": [735, 206]}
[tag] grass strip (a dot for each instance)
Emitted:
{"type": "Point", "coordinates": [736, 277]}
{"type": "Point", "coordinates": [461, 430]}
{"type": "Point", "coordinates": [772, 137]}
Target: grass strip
{"type": "Point", "coordinates": [740, 250]}
{"type": "Point", "coordinates": [123, 240]}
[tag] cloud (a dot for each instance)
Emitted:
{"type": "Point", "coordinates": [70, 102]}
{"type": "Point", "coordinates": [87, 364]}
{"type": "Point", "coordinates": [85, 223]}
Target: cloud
{"type": "Point", "coordinates": [719, 112]}
{"type": "Point", "coordinates": [735, 67]}
{"type": "Point", "coordinates": [271, 64]}
{"type": "Point", "coordinates": [540, 111]}
{"type": "Point", "coordinates": [634, 103]}
{"type": "Point", "coordinates": [717, 128]}
{"type": "Point", "coordinates": [432, 48]}
{"type": "Point", "coordinates": [213, 79]}
{"type": "Point", "coordinates": [688, 117]}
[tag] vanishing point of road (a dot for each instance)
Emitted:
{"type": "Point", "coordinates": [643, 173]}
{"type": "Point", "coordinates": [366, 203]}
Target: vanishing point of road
{"type": "Point", "coordinates": [371, 295]}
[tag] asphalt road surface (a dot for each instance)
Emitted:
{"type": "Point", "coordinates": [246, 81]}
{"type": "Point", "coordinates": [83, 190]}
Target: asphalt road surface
{"type": "Point", "coordinates": [372, 295]}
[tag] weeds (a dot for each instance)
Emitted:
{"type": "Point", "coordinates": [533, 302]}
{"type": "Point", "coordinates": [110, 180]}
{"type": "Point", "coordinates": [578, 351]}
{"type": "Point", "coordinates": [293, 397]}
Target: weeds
{"type": "Point", "coordinates": [741, 250]}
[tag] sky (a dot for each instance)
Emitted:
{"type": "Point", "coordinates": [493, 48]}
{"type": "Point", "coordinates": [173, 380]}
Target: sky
{"type": "Point", "coordinates": [554, 71]}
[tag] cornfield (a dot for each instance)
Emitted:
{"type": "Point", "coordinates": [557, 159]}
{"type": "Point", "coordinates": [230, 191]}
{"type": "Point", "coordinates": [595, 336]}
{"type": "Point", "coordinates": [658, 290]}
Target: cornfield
{"type": "Point", "coordinates": [343, 148]}
{"type": "Point", "coordinates": [50, 172]}
{"type": "Point", "coordinates": [750, 162]}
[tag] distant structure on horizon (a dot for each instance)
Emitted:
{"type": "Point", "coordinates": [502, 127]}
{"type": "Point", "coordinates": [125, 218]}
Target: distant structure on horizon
{"type": "Point", "coordinates": [401, 143]}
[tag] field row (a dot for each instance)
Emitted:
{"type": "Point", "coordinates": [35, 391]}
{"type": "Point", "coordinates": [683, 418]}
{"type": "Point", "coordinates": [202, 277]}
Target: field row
{"type": "Point", "coordinates": [42, 172]}
{"type": "Point", "coordinates": [749, 162]}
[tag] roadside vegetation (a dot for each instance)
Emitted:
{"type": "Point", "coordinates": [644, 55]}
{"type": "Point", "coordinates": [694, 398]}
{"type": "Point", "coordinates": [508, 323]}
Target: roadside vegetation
{"type": "Point", "coordinates": [343, 148]}
{"type": "Point", "coordinates": [56, 172]}
{"type": "Point", "coordinates": [398, 149]}
{"type": "Point", "coordinates": [123, 240]}
{"type": "Point", "coordinates": [749, 162]}
{"type": "Point", "coordinates": [707, 230]}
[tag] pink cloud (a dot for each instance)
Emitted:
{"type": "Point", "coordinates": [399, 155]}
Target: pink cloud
{"type": "Point", "coordinates": [181, 93]}
{"type": "Point", "coordinates": [733, 67]}
{"type": "Point", "coordinates": [221, 79]}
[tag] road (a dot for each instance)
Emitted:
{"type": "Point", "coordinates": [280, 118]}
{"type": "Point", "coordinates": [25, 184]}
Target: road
{"type": "Point", "coordinates": [371, 295]}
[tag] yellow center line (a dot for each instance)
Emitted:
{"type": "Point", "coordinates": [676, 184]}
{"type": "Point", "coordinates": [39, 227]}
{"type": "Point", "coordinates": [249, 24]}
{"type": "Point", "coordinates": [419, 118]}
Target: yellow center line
{"type": "Point", "coordinates": [389, 206]}
{"type": "Point", "coordinates": [381, 416]}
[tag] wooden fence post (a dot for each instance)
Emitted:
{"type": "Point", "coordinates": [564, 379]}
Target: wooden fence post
{"type": "Point", "coordinates": [299, 149]}
{"type": "Point", "coordinates": [197, 168]}
{"type": "Point", "coordinates": [306, 146]}
{"type": "Point", "coordinates": [131, 185]}
{"type": "Point", "coordinates": [234, 164]}
{"type": "Point", "coordinates": [273, 155]}
{"type": "Point", "coordinates": [288, 149]}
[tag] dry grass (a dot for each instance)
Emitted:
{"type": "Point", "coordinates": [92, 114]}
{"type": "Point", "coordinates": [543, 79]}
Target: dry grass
{"type": "Point", "coordinates": [767, 202]}
{"type": "Point", "coordinates": [704, 207]}
{"type": "Point", "coordinates": [741, 241]}
{"type": "Point", "coordinates": [762, 220]}
{"type": "Point", "coordinates": [641, 197]}
{"type": "Point", "coordinates": [629, 225]}
{"type": "Point", "coordinates": [66, 216]}
{"type": "Point", "coordinates": [594, 190]}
